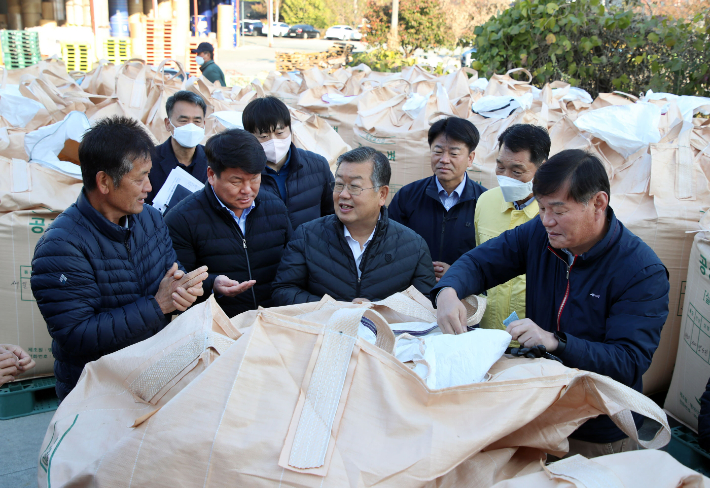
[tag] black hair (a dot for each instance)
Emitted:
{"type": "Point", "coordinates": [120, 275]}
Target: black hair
{"type": "Point", "coordinates": [584, 172]}
{"type": "Point", "coordinates": [185, 96]}
{"type": "Point", "coordinates": [111, 146]}
{"type": "Point", "coordinates": [235, 148]}
{"type": "Point", "coordinates": [521, 137]}
{"type": "Point", "coordinates": [457, 129]}
{"type": "Point", "coordinates": [381, 169]}
{"type": "Point", "coordinates": [265, 115]}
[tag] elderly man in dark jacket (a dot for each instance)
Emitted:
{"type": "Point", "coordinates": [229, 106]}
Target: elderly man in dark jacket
{"type": "Point", "coordinates": [358, 253]}
{"type": "Point", "coordinates": [441, 208]}
{"type": "Point", "coordinates": [300, 178]}
{"type": "Point", "coordinates": [105, 275]}
{"type": "Point", "coordinates": [231, 226]}
{"type": "Point", "coordinates": [597, 296]}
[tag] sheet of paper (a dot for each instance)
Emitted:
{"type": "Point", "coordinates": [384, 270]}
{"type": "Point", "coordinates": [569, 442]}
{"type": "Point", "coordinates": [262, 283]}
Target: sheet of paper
{"type": "Point", "coordinates": [177, 177]}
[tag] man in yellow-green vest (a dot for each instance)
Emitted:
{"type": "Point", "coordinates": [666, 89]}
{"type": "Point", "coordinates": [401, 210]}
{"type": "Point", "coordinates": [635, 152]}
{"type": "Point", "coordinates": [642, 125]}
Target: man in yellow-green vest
{"type": "Point", "coordinates": [522, 148]}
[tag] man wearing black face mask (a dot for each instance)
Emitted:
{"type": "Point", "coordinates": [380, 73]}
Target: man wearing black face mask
{"type": "Point", "coordinates": [186, 124]}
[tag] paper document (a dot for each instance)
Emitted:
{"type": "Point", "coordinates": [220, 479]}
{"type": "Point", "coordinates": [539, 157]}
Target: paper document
{"type": "Point", "coordinates": [179, 184]}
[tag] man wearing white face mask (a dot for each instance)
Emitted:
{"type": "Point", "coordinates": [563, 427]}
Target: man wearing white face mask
{"type": "Point", "coordinates": [522, 149]}
{"type": "Point", "coordinates": [205, 60]}
{"type": "Point", "coordinates": [186, 124]}
{"type": "Point", "coordinates": [300, 178]}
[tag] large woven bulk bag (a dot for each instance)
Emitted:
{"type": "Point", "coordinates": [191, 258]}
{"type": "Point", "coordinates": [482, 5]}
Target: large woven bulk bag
{"type": "Point", "coordinates": [291, 396]}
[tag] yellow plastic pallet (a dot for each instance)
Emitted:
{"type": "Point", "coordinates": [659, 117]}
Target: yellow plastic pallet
{"type": "Point", "coordinates": [117, 50]}
{"type": "Point", "coordinates": [77, 56]}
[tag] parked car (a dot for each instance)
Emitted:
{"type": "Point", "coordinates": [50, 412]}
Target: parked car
{"type": "Point", "coordinates": [343, 32]}
{"type": "Point", "coordinates": [252, 27]}
{"type": "Point", "coordinates": [279, 29]}
{"type": "Point", "coordinates": [303, 30]}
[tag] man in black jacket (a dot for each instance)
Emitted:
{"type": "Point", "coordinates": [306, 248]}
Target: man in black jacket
{"type": "Point", "coordinates": [230, 226]}
{"type": "Point", "coordinates": [300, 178]}
{"type": "Point", "coordinates": [358, 253]}
{"type": "Point", "coordinates": [441, 208]}
{"type": "Point", "coordinates": [104, 273]}
{"type": "Point", "coordinates": [186, 124]}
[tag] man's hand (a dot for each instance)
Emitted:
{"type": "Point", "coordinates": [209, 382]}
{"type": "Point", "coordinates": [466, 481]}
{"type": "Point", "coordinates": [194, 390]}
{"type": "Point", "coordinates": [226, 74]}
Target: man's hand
{"type": "Point", "coordinates": [450, 312]}
{"type": "Point", "coordinates": [528, 334]}
{"type": "Point", "coordinates": [13, 361]}
{"type": "Point", "coordinates": [177, 290]}
{"type": "Point", "coordinates": [360, 301]}
{"type": "Point", "coordinates": [230, 288]}
{"type": "Point", "coordinates": [440, 268]}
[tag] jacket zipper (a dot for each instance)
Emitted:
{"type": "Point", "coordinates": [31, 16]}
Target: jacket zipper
{"type": "Point", "coordinates": [566, 297]}
{"type": "Point", "coordinates": [246, 253]}
{"type": "Point", "coordinates": [443, 230]}
{"type": "Point", "coordinates": [363, 261]}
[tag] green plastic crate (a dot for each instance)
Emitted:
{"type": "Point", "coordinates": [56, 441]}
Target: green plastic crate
{"type": "Point", "coordinates": [27, 397]}
{"type": "Point", "coordinates": [685, 449]}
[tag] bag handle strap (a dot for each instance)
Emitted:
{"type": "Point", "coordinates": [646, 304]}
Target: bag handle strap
{"type": "Point", "coordinates": [181, 70]}
{"type": "Point", "coordinates": [522, 70]}
{"type": "Point", "coordinates": [583, 473]}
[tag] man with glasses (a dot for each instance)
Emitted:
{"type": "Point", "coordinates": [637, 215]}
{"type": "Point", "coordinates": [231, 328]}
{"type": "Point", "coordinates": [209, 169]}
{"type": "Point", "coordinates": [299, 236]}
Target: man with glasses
{"type": "Point", "coordinates": [358, 254]}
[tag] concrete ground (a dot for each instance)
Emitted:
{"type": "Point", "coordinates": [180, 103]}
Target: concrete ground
{"type": "Point", "coordinates": [21, 440]}
{"type": "Point", "coordinates": [256, 58]}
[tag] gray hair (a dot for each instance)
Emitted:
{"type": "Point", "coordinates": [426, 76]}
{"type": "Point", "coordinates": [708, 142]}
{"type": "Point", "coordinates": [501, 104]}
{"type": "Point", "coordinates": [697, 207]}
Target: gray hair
{"type": "Point", "coordinates": [381, 169]}
{"type": "Point", "coordinates": [185, 96]}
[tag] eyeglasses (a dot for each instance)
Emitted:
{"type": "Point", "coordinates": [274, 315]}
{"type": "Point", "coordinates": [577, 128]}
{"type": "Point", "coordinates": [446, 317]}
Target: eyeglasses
{"type": "Point", "coordinates": [352, 189]}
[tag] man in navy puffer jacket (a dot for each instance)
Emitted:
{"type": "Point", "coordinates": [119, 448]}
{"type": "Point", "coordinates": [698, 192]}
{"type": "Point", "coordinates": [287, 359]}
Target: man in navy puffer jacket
{"type": "Point", "coordinates": [597, 295]}
{"type": "Point", "coordinates": [104, 274]}
{"type": "Point", "coordinates": [300, 178]}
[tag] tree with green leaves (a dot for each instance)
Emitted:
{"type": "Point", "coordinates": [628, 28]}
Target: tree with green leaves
{"type": "Point", "coordinates": [598, 49]}
{"type": "Point", "coordinates": [311, 12]}
{"type": "Point", "coordinates": [422, 24]}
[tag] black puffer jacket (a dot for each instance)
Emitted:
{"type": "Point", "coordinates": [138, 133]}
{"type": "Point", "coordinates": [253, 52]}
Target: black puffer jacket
{"type": "Point", "coordinates": [204, 233]}
{"type": "Point", "coordinates": [95, 282]}
{"type": "Point", "coordinates": [318, 261]}
{"type": "Point", "coordinates": [308, 192]}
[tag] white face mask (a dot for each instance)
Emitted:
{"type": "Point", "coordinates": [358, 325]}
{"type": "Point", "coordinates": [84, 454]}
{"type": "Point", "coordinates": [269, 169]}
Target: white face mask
{"type": "Point", "coordinates": [199, 60]}
{"type": "Point", "coordinates": [514, 190]}
{"type": "Point", "coordinates": [276, 149]}
{"type": "Point", "coordinates": [188, 135]}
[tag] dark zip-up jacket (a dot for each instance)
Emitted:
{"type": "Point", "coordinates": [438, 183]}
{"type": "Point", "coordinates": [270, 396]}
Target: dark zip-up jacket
{"type": "Point", "coordinates": [308, 192]}
{"type": "Point", "coordinates": [611, 303]}
{"type": "Point", "coordinates": [704, 419]}
{"type": "Point", "coordinates": [213, 72]}
{"type": "Point", "coordinates": [450, 234]}
{"type": "Point", "coordinates": [204, 233]}
{"type": "Point", "coordinates": [95, 282]}
{"type": "Point", "coordinates": [165, 161]}
{"type": "Point", "coordinates": [318, 261]}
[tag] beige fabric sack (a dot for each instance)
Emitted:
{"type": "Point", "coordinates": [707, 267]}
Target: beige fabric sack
{"type": "Point", "coordinates": [636, 469]}
{"type": "Point", "coordinates": [31, 197]}
{"type": "Point", "coordinates": [290, 396]}
{"type": "Point", "coordinates": [692, 364]}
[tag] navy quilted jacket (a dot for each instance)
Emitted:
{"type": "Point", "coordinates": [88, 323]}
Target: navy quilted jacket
{"type": "Point", "coordinates": [318, 261]}
{"type": "Point", "coordinates": [204, 233]}
{"type": "Point", "coordinates": [308, 192]}
{"type": "Point", "coordinates": [450, 234]}
{"type": "Point", "coordinates": [611, 303]}
{"type": "Point", "coordinates": [95, 281]}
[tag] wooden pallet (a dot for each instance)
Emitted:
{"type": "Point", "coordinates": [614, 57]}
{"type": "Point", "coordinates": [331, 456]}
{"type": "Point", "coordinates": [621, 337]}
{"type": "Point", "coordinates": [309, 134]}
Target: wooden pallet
{"type": "Point", "coordinates": [335, 57]}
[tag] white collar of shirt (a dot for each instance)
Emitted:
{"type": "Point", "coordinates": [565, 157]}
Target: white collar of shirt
{"type": "Point", "coordinates": [355, 246]}
{"type": "Point", "coordinates": [447, 200]}
{"type": "Point", "coordinates": [241, 221]}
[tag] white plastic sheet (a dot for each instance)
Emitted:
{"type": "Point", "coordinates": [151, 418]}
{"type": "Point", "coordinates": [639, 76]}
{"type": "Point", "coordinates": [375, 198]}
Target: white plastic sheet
{"type": "Point", "coordinates": [445, 360]}
{"type": "Point", "coordinates": [45, 144]}
{"type": "Point", "coordinates": [573, 94]}
{"type": "Point", "coordinates": [229, 119]}
{"type": "Point", "coordinates": [501, 107]}
{"type": "Point", "coordinates": [688, 105]}
{"type": "Point", "coordinates": [16, 109]}
{"type": "Point", "coordinates": [626, 128]}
